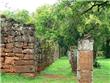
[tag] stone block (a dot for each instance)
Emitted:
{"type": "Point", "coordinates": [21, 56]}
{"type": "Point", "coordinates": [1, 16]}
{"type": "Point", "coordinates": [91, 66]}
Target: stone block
{"type": "Point", "coordinates": [85, 60]}
{"type": "Point", "coordinates": [31, 45]}
{"type": "Point", "coordinates": [10, 39]}
{"type": "Point", "coordinates": [29, 74]}
{"type": "Point", "coordinates": [9, 45]}
{"type": "Point", "coordinates": [31, 39]}
{"type": "Point", "coordinates": [18, 39]}
{"type": "Point", "coordinates": [2, 49]}
{"type": "Point", "coordinates": [24, 62]}
{"type": "Point", "coordinates": [2, 45]}
{"type": "Point", "coordinates": [10, 60]}
{"type": "Point", "coordinates": [18, 44]}
{"type": "Point", "coordinates": [8, 69]}
{"type": "Point", "coordinates": [6, 50]}
{"type": "Point", "coordinates": [25, 45]}
{"type": "Point", "coordinates": [17, 50]}
{"type": "Point", "coordinates": [27, 56]}
{"type": "Point", "coordinates": [20, 55]}
{"type": "Point", "coordinates": [25, 69]}
{"type": "Point", "coordinates": [25, 38]}
{"type": "Point", "coordinates": [5, 39]}
{"type": "Point", "coordinates": [28, 51]}
{"type": "Point", "coordinates": [9, 54]}
{"type": "Point", "coordinates": [1, 60]}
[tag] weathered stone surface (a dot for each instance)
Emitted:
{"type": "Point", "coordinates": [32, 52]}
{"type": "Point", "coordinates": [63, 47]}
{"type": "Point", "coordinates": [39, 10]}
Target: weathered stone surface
{"type": "Point", "coordinates": [28, 51]}
{"type": "Point", "coordinates": [25, 45]}
{"type": "Point", "coordinates": [20, 55]}
{"type": "Point", "coordinates": [9, 45]}
{"type": "Point", "coordinates": [18, 38]}
{"type": "Point", "coordinates": [17, 50]}
{"type": "Point", "coordinates": [10, 60]}
{"type": "Point", "coordinates": [2, 45]}
{"type": "Point", "coordinates": [10, 39]}
{"type": "Point", "coordinates": [29, 74]}
{"type": "Point", "coordinates": [8, 50]}
{"type": "Point", "coordinates": [31, 39]}
{"type": "Point", "coordinates": [2, 49]}
{"type": "Point", "coordinates": [18, 44]}
{"type": "Point", "coordinates": [25, 69]}
{"type": "Point", "coordinates": [5, 39]}
{"type": "Point", "coordinates": [27, 56]}
{"type": "Point", "coordinates": [85, 44]}
{"type": "Point", "coordinates": [24, 62]}
{"type": "Point", "coordinates": [9, 54]}
{"type": "Point", "coordinates": [8, 68]}
{"type": "Point", "coordinates": [85, 60]}
{"type": "Point", "coordinates": [25, 38]}
{"type": "Point", "coordinates": [1, 60]}
{"type": "Point", "coordinates": [30, 45]}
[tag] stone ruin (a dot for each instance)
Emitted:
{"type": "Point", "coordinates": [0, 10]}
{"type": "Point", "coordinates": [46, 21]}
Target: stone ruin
{"type": "Point", "coordinates": [20, 51]}
{"type": "Point", "coordinates": [17, 47]}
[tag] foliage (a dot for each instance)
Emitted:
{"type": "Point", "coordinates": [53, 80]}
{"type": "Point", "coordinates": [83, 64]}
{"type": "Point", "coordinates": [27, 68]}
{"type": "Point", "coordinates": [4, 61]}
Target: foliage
{"type": "Point", "coordinates": [69, 20]}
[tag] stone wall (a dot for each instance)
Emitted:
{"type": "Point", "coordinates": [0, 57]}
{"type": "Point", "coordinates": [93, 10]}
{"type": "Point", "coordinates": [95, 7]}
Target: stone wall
{"type": "Point", "coordinates": [47, 53]}
{"type": "Point", "coordinates": [17, 47]}
{"type": "Point", "coordinates": [73, 58]}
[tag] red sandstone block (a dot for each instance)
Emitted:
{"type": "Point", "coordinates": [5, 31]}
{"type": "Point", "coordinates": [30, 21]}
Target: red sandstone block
{"type": "Point", "coordinates": [8, 68]}
{"type": "Point", "coordinates": [26, 56]}
{"type": "Point", "coordinates": [85, 60]}
{"type": "Point", "coordinates": [2, 54]}
{"type": "Point", "coordinates": [2, 49]}
{"type": "Point", "coordinates": [17, 50]}
{"type": "Point", "coordinates": [85, 74]}
{"type": "Point", "coordinates": [9, 45]}
{"type": "Point", "coordinates": [24, 62]}
{"type": "Point", "coordinates": [10, 60]}
{"type": "Point", "coordinates": [85, 81]}
{"type": "Point", "coordinates": [25, 69]}
{"type": "Point", "coordinates": [28, 51]}
{"type": "Point", "coordinates": [2, 45]}
{"type": "Point", "coordinates": [18, 44]}
{"type": "Point", "coordinates": [9, 54]}
{"type": "Point", "coordinates": [19, 55]}
{"type": "Point", "coordinates": [29, 74]}
{"type": "Point", "coordinates": [8, 50]}
{"type": "Point", "coordinates": [25, 45]}
{"type": "Point", "coordinates": [1, 59]}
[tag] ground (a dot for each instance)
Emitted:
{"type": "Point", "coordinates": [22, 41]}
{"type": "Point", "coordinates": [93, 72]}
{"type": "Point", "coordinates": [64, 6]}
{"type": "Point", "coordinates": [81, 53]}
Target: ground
{"type": "Point", "coordinates": [60, 72]}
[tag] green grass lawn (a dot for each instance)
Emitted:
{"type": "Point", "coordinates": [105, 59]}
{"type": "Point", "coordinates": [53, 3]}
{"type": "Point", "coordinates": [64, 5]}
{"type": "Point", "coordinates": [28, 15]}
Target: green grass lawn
{"type": "Point", "coordinates": [60, 72]}
{"type": "Point", "coordinates": [102, 75]}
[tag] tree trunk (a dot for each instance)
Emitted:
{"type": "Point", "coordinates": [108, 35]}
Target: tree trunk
{"type": "Point", "coordinates": [107, 49]}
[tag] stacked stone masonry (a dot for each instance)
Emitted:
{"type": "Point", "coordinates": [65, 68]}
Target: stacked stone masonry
{"type": "Point", "coordinates": [85, 60]}
{"type": "Point", "coordinates": [17, 47]}
{"type": "Point", "coordinates": [21, 52]}
{"type": "Point", "coordinates": [46, 54]}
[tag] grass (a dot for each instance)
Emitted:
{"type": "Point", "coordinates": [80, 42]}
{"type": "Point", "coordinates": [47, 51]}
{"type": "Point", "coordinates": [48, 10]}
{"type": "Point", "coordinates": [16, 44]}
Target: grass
{"type": "Point", "coordinates": [102, 75]}
{"type": "Point", "coordinates": [60, 72]}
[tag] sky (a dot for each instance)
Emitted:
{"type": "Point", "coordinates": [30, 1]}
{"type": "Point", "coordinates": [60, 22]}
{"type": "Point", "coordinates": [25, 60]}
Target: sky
{"type": "Point", "coordinates": [30, 5]}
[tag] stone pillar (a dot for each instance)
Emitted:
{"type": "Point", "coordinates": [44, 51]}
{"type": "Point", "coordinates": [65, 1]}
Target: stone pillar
{"type": "Point", "coordinates": [85, 60]}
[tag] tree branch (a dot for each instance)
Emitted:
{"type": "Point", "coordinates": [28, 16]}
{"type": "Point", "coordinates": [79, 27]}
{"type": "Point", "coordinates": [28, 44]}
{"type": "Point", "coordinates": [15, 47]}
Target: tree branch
{"type": "Point", "coordinates": [101, 4]}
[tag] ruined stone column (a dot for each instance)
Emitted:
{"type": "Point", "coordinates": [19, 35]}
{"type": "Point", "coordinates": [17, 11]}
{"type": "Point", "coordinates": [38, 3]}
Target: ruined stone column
{"type": "Point", "coordinates": [85, 60]}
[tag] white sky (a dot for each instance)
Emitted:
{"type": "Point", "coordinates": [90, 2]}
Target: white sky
{"type": "Point", "coordinates": [30, 5]}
